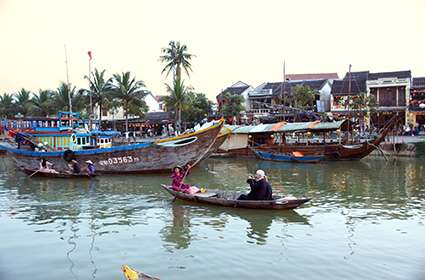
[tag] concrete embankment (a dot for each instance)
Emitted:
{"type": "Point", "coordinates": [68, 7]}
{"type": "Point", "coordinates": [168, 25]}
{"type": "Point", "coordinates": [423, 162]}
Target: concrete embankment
{"type": "Point", "coordinates": [402, 146]}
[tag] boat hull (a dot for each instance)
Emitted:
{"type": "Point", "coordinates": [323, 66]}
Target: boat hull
{"type": "Point", "coordinates": [288, 158]}
{"type": "Point", "coordinates": [150, 157]}
{"type": "Point", "coordinates": [217, 198]}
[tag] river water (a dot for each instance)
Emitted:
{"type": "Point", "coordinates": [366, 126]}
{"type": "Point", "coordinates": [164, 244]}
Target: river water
{"type": "Point", "coordinates": [365, 221]}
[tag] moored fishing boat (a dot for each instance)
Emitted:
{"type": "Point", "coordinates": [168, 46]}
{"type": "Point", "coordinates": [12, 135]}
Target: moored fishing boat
{"type": "Point", "coordinates": [229, 199]}
{"type": "Point", "coordinates": [309, 139]}
{"type": "Point", "coordinates": [147, 157]}
{"type": "Point", "coordinates": [294, 157]}
{"type": "Point", "coordinates": [221, 137]}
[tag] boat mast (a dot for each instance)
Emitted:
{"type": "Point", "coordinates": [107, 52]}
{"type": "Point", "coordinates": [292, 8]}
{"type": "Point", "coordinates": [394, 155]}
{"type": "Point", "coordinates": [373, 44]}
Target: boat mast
{"type": "Point", "coordinates": [282, 88]}
{"type": "Point", "coordinates": [67, 80]}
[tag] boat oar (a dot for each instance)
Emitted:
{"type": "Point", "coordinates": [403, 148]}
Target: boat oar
{"type": "Point", "coordinates": [34, 172]}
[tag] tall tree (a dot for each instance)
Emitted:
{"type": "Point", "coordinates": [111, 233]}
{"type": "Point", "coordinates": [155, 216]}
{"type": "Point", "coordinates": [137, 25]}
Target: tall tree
{"type": "Point", "coordinates": [176, 100]}
{"type": "Point", "coordinates": [304, 97]}
{"type": "Point", "coordinates": [43, 103]}
{"type": "Point", "coordinates": [233, 105]}
{"type": "Point", "coordinates": [130, 94]}
{"type": "Point", "coordinates": [65, 92]}
{"type": "Point", "coordinates": [175, 57]}
{"type": "Point", "coordinates": [100, 90]}
{"type": "Point", "coordinates": [7, 106]}
{"type": "Point", "coordinates": [23, 102]}
{"type": "Point", "coordinates": [197, 107]}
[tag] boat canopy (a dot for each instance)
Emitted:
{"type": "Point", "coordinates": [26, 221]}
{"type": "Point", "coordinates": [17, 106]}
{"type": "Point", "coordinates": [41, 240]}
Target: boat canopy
{"type": "Point", "coordinates": [315, 126]}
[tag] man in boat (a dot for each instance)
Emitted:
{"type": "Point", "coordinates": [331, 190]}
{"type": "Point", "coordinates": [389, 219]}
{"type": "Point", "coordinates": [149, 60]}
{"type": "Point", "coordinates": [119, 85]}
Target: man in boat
{"type": "Point", "coordinates": [178, 175]}
{"type": "Point", "coordinates": [91, 168]}
{"type": "Point", "coordinates": [260, 188]}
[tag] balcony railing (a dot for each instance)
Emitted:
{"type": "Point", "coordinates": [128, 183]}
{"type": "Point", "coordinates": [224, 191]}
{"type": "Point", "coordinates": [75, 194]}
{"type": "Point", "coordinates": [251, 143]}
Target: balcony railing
{"type": "Point", "coordinates": [416, 108]}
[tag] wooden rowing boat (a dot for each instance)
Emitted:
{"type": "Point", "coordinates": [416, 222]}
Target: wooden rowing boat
{"type": "Point", "coordinates": [149, 157]}
{"type": "Point", "coordinates": [132, 274]}
{"type": "Point", "coordinates": [38, 173]}
{"type": "Point", "coordinates": [288, 157]}
{"type": "Point", "coordinates": [229, 199]}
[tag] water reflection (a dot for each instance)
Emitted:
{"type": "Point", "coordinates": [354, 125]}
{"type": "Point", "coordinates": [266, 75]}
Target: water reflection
{"type": "Point", "coordinates": [178, 232]}
{"type": "Point", "coordinates": [87, 214]}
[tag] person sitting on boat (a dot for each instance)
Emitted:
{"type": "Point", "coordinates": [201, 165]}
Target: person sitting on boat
{"type": "Point", "coordinates": [75, 167]}
{"type": "Point", "coordinates": [46, 166]}
{"type": "Point", "coordinates": [260, 188]}
{"type": "Point", "coordinates": [91, 168]}
{"type": "Point", "coordinates": [178, 175]}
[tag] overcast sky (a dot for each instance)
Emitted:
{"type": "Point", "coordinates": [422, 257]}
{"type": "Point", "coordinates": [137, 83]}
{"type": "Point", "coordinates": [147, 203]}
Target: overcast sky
{"type": "Point", "coordinates": [232, 40]}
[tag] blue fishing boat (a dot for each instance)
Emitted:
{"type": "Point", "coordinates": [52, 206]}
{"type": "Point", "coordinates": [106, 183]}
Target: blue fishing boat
{"type": "Point", "coordinates": [65, 140]}
{"type": "Point", "coordinates": [294, 157]}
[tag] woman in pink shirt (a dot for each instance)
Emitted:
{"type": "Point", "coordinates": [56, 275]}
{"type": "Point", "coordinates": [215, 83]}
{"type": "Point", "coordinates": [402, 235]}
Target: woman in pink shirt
{"type": "Point", "coordinates": [178, 175]}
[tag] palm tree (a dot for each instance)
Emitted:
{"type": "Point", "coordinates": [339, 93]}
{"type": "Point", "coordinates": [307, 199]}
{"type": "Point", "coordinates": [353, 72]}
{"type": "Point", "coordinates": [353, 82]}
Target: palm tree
{"type": "Point", "coordinates": [43, 103]}
{"type": "Point", "coordinates": [23, 102]}
{"type": "Point", "coordinates": [130, 94]}
{"type": "Point", "coordinates": [100, 90]}
{"type": "Point", "coordinates": [67, 98]}
{"type": "Point", "coordinates": [176, 100]}
{"type": "Point", "coordinates": [175, 56]}
{"type": "Point", "coordinates": [7, 106]}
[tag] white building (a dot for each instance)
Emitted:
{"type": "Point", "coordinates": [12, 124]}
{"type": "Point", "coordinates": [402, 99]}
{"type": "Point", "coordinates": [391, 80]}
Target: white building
{"type": "Point", "coordinates": [239, 88]}
{"type": "Point", "coordinates": [151, 102]}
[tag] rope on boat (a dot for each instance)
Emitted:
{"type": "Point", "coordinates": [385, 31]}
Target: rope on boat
{"type": "Point", "coordinates": [200, 158]}
{"type": "Point", "coordinates": [379, 149]}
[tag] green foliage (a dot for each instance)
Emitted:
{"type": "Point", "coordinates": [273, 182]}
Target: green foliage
{"type": "Point", "coordinates": [100, 90]}
{"type": "Point", "coordinates": [361, 103]}
{"type": "Point", "coordinates": [303, 96]}
{"type": "Point", "coordinates": [130, 94]}
{"type": "Point", "coordinates": [176, 100]}
{"type": "Point", "coordinates": [23, 102]}
{"type": "Point", "coordinates": [176, 57]}
{"type": "Point", "coordinates": [196, 108]}
{"type": "Point", "coordinates": [62, 95]}
{"type": "Point", "coordinates": [233, 105]}
{"type": "Point", "coordinates": [43, 103]}
{"type": "Point", "coordinates": [7, 107]}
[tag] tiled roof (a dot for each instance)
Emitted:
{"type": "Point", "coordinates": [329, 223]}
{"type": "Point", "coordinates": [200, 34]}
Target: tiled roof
{"type": "Point", "coordinates": [233, 91]}
{"type": "Point", "coordinates": [278, 88]}
{"type": "Point", "coordinates": [418, 82]}
{"type": "Point", "coordinates": [313, 76]}
{"type": "Point", "coordinates": [341, 87]}
{"type": "Point", "coordinates": [395, 74]}
{"type": "Point", "coordinates": [359, 75]}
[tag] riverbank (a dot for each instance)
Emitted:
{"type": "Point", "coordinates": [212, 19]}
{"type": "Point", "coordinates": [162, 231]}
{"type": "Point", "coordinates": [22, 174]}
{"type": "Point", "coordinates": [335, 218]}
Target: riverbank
{"type": "Point", "coordinates": [402, 146]}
